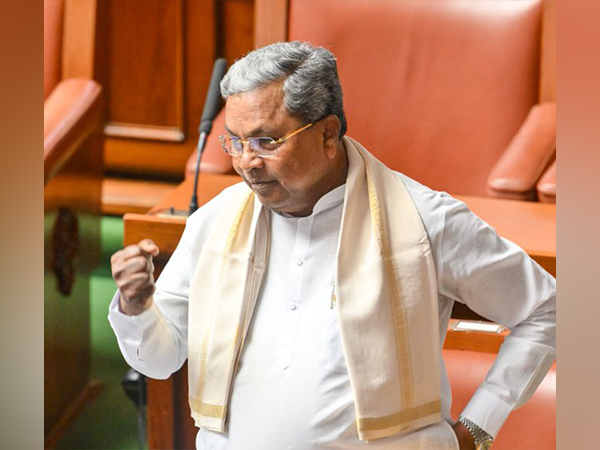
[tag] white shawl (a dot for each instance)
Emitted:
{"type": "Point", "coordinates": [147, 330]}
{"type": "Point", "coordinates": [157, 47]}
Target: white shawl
{"type": "Point", "coordinates": [386, 297]}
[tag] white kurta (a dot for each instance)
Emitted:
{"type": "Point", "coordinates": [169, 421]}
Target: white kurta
{"type": "Point", "coordinates": [292, 389]}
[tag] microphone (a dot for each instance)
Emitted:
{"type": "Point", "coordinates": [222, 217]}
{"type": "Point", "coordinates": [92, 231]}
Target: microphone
{"type": "Point", "coordinates": [212, 105]}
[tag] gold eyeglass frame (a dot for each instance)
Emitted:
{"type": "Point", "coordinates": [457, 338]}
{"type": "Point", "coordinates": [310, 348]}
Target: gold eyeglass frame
{"type": "Point", "coordinates": [276, 142]}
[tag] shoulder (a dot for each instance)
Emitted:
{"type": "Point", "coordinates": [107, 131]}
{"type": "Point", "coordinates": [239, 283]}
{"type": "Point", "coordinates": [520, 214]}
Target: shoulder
{"type": "Point", "coordinates": [199, 223]}
{"type": "Point", "coordinates": [432, 205]}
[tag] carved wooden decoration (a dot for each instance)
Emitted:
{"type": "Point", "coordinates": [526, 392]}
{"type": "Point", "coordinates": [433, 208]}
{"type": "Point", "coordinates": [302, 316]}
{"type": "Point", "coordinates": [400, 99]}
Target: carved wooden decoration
{"type": "Point", "coordinates": [65, 243]}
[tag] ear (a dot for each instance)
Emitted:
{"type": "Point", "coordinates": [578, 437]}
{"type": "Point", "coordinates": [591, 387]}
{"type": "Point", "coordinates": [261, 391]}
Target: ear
{"type": "Point", "coordinates": [331, 134]}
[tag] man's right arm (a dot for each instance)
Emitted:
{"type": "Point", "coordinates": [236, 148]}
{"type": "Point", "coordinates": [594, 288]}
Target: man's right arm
{"type": "Point", "coordinates": [155, 341]}
{"type": "Point", "coordinates": [151, 328]}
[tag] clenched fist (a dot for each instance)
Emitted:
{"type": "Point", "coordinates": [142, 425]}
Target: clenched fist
{"type": "Point", "coordinates": [132, 269]}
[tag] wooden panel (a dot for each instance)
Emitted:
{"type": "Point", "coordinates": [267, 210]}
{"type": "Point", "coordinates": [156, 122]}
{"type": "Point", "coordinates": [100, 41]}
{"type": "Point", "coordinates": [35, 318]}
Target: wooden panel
{"type": "Point", "coordinates": [132, 156]}
{"type": "Point", "coordinates": [153, 132]}
{"type": "Point", "coordinates": [271, 21]}
{"type": "Point", "coordinates": [146, 45]}
{"type": "Point", "coordinates": [160, 414]}
{"type": "Point", "coordinates": [132, 196]}
{"type": "Point", "coordinates": [235, 28]}
{"type": "Point", "coordinates": [138, 149]}
{"type": "Point", "coordinates": [159, 64]}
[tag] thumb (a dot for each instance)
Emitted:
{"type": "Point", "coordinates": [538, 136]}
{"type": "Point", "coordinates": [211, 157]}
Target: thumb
{"type": "Point", "coordinates": [149, 246]}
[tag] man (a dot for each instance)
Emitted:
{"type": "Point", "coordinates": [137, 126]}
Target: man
{"type": "Point", "coordinates": [313, 306]}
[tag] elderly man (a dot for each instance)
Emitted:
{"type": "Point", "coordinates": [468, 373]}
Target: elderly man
{"type": "Point", "coordinates": [312, 300]}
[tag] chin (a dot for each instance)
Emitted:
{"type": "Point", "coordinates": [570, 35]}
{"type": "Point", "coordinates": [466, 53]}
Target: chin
{"type": "Point", "coordinates": [274, 205]}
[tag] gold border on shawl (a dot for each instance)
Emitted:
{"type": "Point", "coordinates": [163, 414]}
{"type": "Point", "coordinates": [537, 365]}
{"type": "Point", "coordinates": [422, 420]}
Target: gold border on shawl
{"type": "Point", "coordinates": [400, 325]}
{"type": "Point", "coordinates": [206, 409]}
{"type": "Point", "coordinates": [204, 350]}
{"type": "Point", "coordinates": [235, 228]}
{"type": "Point", "coordinates": [402, 417]}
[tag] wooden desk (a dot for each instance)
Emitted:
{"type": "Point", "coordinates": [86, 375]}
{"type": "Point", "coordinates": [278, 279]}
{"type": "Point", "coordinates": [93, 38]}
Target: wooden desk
{"type": "Point", "coordinates": [530, 225]}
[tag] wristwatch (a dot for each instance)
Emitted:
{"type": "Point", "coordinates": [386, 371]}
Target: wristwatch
{"type": "Point", "coordinates": [483, 441]}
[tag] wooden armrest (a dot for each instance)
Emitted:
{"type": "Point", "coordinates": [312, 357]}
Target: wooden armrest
{"type": "Point", "coordinates": [72, 113]}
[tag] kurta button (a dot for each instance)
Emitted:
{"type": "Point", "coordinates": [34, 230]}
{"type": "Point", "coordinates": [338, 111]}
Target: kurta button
{"type": "Point", "coordinates": [299, 262]}
{"type": "Point", "coordinates": [292, 305]}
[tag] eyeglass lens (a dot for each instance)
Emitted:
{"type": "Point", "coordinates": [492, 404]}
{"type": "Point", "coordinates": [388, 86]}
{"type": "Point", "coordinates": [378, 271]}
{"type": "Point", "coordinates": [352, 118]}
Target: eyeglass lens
{"type": "Point", "coordinates": [258, 144]}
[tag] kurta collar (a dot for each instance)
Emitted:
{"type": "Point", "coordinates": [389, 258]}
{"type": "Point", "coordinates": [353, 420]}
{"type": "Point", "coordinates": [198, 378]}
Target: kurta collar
{"type": "Point", "coordinates": [332, 199]}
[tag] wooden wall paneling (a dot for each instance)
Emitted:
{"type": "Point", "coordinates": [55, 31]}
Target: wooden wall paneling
{"type": "Point", "coordinates": [548, 69]}
{"type": "Point", "coordinates": [146, 77]}
{"type": "Point", "coordinates": [190, 58]}
{"type": "Point", "coordinates": [200, 56]}
{"type": "Point", "coordinates": [121, 196]}
{"type": "Point", "coordinates": [270, 21]}
{"type": "Point", "coordinates": [235, 28]}
{"type": "Point", "coordinates": [151, 159]}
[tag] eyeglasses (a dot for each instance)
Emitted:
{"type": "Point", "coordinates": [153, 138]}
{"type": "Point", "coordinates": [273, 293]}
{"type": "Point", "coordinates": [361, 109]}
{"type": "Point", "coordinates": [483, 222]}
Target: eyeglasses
{"type": "Point", "coordinates": [264, 147]}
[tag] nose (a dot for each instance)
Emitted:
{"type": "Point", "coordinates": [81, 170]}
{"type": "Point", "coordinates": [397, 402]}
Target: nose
{"type": "Point", "coordinates": [248, 160]}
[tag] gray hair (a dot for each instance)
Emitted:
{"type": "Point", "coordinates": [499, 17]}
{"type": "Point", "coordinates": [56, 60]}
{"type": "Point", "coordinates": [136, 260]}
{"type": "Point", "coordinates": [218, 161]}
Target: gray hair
{"type": "Point", "coordinates": [311, 86]}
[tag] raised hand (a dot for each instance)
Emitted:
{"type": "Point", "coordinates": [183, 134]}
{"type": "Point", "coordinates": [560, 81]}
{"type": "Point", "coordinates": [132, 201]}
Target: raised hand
{"type": "Point", "coordinates": [133, 271]}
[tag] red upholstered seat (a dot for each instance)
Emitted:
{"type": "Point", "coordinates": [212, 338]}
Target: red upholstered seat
{"type": "Point", "coordinates": [531, 427]}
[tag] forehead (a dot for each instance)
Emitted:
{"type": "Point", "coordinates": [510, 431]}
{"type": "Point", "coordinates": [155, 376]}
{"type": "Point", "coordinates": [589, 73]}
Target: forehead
{"type": "Point", "coordinates": [258, 111]}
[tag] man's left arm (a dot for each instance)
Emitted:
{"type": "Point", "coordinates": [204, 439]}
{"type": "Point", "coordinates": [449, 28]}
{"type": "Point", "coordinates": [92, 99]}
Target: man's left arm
{"type": "Point", "coordinates": [497, 280]}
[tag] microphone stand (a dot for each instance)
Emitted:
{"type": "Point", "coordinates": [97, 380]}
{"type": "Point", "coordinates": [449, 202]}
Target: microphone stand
{"type": "Point", "coordinates": [194, 200]}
